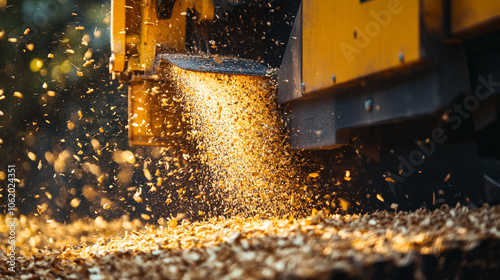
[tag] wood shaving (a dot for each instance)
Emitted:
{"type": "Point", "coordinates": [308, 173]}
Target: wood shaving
{"type": "Point", "coordinates": [446, 242]}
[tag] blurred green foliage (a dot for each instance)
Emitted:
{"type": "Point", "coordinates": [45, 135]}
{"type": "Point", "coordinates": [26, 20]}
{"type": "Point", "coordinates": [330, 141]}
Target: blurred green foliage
{"type": "Point", "coordinates": [56, 96]}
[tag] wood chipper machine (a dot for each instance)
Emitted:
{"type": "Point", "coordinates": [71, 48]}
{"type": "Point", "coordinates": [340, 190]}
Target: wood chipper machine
{"type": "Point", "coordinates": [411, 84]}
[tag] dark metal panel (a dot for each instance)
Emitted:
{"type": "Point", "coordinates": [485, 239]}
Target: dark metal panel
{"type": "Point", "coordinates": [216, 64]}
{"type": "Point", "coordinates": [483, 57]}
{"type": "Point", "coordinates": [316, 122]}
{"type": "Point", "coordinates": [290, 72]}
{"type": "Point", "coordinates": [164, 8]}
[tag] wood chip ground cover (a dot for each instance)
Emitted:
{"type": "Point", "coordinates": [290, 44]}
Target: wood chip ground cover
{"type": "Point", "coordinates": [453, 242]}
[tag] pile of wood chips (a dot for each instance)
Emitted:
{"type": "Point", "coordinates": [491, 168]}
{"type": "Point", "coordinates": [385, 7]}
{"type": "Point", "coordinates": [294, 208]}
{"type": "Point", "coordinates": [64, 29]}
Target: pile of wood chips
{"type": "Point", "coordinates": [457, 242]}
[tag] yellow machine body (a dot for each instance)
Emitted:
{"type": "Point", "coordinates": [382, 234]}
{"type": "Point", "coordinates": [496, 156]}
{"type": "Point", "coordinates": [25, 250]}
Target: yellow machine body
{"type": "Point", "coordinates": [137, 33]}
{"type": "Point", "coordinates": [346, 40]}
{"type": "Point", "coordinates": [470, 16]}
{"type": "Point", "coordinates": [155, 116]}
{"type": "Point", "coordinates": [334, 45]}
{"type": "Point", "coordinates": [137, 37]}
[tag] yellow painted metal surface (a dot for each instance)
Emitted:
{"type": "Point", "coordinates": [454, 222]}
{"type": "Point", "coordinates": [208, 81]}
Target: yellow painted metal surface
{"type": "Point", "coordinates": [140, 114]}
{"type": "Point", "coordinates": [154, 116]}
{"type": "Point", "coordinates": [169, 34]}
{"type": "Point", "coordinates": [467, 15]}
{"type": "Point", "coordinates": [137, 34]}
{"type": "Point", "coordinates": [117, 62]}
{"type": "Point", "coordinates": [345, 40]}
